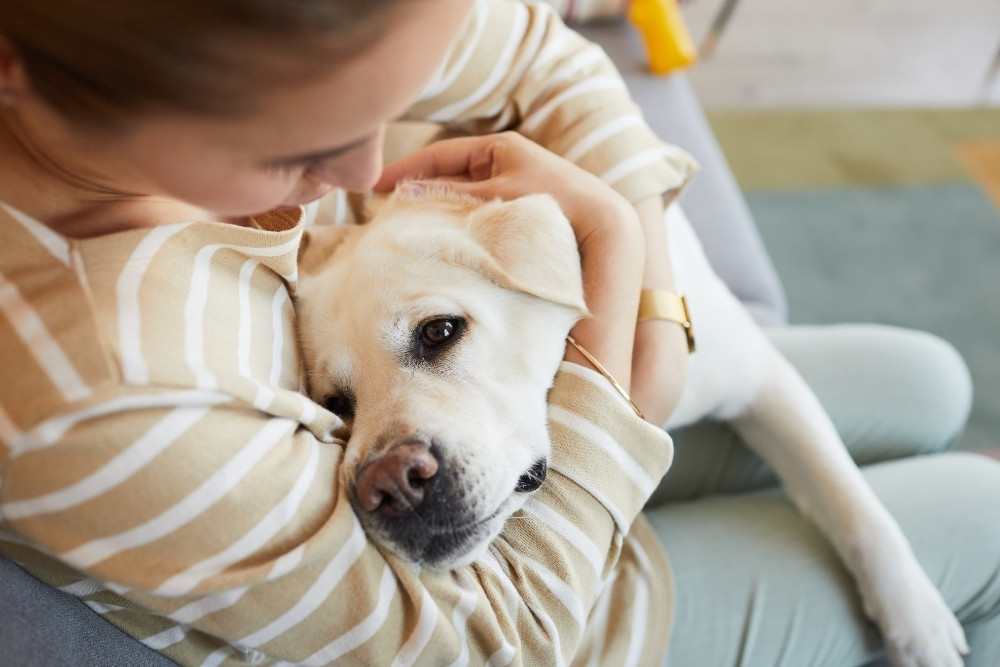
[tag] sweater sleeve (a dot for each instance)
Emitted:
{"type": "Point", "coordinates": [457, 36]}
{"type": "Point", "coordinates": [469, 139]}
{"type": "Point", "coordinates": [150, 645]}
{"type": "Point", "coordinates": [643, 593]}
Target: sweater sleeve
{"type": "Point", "coordinates": [159, 461]}
{"type": "Point", "coordinates": [516, 66]}
{"type": "Point", "coordinates": [214, 531]}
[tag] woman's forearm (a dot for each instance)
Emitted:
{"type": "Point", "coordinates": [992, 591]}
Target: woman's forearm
{"type": "Point", "coordinates": [611, 257]}
{"type": "Point", "coordinates": [659, 359]}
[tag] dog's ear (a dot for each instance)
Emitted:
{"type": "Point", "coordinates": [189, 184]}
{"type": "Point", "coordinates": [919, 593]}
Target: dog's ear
{"type": "Point", "coordinates": [531, 248]}
{"type": "Point", "coordinates": [318, 245]}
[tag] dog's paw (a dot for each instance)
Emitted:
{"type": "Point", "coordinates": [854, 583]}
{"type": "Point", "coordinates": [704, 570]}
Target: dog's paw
{"type": "Point", "coordinates": [918, 628]}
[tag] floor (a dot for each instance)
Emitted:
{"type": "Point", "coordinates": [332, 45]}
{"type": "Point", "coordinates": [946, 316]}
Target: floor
{"type": "Point", "coordinates": [982, 160]}
{"type": "Point", "coordinates": [850, 53]}
{"type": "Point", "coordinates": [788, 148]}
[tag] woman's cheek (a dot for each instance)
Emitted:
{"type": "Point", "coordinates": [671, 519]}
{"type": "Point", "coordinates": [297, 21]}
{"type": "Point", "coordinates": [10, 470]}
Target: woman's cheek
{"type": "Point", "coordinates": [247, 198]}
{"type": "Point", "coordinates": [226, 191]}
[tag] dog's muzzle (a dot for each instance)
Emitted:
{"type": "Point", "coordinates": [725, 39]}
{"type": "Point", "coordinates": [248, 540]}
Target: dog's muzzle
{"type": "Point", "coordinates": [409, 498]}
{"type": "Point", "coordinates": [399, 482]}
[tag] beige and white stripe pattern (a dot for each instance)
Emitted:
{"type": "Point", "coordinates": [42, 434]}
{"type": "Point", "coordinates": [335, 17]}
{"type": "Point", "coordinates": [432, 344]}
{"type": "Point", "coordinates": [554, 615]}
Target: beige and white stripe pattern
{"type": "Point", "coordinates": [517, 67]}
{"type": "Point", "coordinates": [214, 519]}
{"type": "Point", "coordinates": [160, 462]}
{"type": "Point", "coordinates": [586, 10]}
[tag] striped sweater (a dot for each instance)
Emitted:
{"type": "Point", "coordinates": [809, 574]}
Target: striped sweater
{"type": "Point", "coordinates": [159, 460]}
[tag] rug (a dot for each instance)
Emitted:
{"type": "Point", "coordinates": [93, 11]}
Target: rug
{"type": "Point", "coordinates": [889, 216]}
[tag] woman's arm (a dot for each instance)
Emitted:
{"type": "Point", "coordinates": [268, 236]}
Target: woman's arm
{"type": "Point", "coordinates": [607, 228]}
{"type": "Point", "coordinates": [228, 555]}
{"type": "Point", "coordinates": [212, 521]}
{"type": "Point", "coordinates": [516, 66]}
{"type": "Point", "coordinates": [528, 72]}
{"type": "Point", "coordinates": [660, 358]}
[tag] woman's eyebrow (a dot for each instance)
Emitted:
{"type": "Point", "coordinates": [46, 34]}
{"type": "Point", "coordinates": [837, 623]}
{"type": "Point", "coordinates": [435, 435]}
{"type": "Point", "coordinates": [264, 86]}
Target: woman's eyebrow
{"type": "Point", "coordinates": [319, 156]}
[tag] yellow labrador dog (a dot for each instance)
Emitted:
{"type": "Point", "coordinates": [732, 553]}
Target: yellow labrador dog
{"type": "Point", "coordinates": [436, 330]}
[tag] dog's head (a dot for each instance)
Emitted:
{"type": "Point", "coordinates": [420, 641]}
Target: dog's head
{"type": "Point", "coordinates": [435, 331]}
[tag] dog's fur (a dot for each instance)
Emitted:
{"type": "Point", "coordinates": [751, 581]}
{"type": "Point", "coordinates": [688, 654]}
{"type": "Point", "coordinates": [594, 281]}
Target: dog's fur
{"type": "Point", "coordinates": [510, 270]}
{"type": "Point", "coordinates": [480, 404]}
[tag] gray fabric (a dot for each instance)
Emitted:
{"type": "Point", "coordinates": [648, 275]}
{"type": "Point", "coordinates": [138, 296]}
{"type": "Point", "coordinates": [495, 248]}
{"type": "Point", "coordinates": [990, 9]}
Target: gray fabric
{"type": "Point", "coordinates": [756, 584]}
{"type": "Point", "coordinates": [891, 392]}
{"type": "Point", "coordinates": [713, 202]}
{"type": "Point", "coordinates": [40, 627]}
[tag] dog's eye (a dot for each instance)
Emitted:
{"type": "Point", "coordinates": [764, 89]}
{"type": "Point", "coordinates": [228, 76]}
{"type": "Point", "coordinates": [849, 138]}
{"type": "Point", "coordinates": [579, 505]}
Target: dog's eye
{"type": "Point", "coordinates": [342, 406]}
{"type": "Point", "coordinates": [435, 335]}
{"type": "Point", "coordinates": [436, 332]}
{"type": "Point", "coordinates": [533, 478]}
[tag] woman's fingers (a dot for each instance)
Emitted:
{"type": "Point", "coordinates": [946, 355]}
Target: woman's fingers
{"type": "Point", "coordinates": [508, 166]}
{"type": "Point", "coordinates": [470, 157]}
{"type": "Point", "coordinates": [493, 188]}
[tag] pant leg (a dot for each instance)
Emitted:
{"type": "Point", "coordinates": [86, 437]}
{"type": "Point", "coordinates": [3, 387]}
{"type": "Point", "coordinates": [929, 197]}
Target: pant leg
{"type": "Point", "coordinates": [890, 392]}
{"type": "Point", "coordinates": [757, 586]}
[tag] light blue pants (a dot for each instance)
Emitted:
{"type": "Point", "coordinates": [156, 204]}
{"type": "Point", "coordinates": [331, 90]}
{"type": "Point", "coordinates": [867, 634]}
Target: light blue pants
{"type": "Point", "coordinates": [758, 586]}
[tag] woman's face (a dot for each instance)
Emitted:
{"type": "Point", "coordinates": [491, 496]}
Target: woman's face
{"type": "Point", "coordinates": [302, 142]}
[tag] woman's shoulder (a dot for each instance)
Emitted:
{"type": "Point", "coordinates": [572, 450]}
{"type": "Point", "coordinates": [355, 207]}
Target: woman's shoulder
{"type": "Point", "coordinates": [51, 350]}
{"type": "Point", "coordinates": [186, 305]}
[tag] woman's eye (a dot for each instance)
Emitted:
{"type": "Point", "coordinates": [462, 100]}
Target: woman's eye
{"type": "Point", "coordinates": [285, 168]}
{"type": "Point", "coordinates": [294, 168]}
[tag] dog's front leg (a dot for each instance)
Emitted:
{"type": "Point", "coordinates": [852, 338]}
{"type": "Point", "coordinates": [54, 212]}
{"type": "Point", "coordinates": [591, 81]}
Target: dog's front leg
{"type": "Point", "coordinates": [786, 425]}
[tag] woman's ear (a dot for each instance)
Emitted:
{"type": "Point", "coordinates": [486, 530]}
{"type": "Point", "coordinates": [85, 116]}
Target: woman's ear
{"type": "Point", "coordinates": [531, 248]}
{"type": "Point", "coordinates": [319, 244]}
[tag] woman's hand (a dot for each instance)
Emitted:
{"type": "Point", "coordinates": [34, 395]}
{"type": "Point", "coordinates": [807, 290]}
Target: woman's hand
{"type": "Point", "coordinates": [508, 166]}
{"type": "Point", "coordinates": [607, 229]}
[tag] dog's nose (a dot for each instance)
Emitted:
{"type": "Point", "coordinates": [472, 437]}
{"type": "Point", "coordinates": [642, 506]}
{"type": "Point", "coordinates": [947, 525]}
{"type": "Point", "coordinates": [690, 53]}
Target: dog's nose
{"type": "Point", "coordinates": [398, 482]}
{"type": "Point", "coordinates": [533, 478]}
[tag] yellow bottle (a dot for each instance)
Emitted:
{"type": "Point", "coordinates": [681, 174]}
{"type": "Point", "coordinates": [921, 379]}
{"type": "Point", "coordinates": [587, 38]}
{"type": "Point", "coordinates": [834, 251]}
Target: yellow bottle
{"type": "Point", "coordinates": [668, 42]}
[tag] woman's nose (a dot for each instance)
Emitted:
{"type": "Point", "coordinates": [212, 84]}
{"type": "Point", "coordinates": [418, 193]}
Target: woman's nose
{"type": "Point", "coordinates": [368, 172]}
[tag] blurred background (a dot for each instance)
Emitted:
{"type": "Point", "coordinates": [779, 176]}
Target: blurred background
{"type": "Point", "coordinates": [850, 53]}
{"type": "Point", "coordinates": [865, 135]}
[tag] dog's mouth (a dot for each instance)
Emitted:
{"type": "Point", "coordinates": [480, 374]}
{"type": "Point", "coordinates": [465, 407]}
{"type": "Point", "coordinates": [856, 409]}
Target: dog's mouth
{"type": "Point", "coordinates": [431, 542]}
{"type": "Point", "coordinates": [533, 478]}
{"type": "Point", "coordinates": [447, 547]}
{"type": "Point", "coordinates": [412, 502]}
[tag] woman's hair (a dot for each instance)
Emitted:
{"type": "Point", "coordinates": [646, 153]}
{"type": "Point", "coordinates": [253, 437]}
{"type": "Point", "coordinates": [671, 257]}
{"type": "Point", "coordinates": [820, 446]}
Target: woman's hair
{"type": "Point", "coordinates": [105, 62]}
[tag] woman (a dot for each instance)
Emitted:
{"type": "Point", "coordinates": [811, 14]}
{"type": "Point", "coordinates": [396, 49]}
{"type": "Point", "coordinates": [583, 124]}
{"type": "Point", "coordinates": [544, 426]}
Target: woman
{"type": "Point", "coordinates": [154, 159]}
